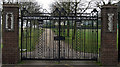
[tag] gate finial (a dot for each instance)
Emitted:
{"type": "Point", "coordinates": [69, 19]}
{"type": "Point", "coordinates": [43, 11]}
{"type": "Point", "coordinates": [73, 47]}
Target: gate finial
{"type": "Point", "coordinates": [94, 10]}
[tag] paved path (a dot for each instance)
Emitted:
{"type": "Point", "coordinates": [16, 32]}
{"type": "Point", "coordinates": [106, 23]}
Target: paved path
{"type": "Point", "coordinates": [48, 49]}
{"type": "Point", "coordinates": [51, 66]}
{"type": "Point", "coordinates": [54, 64]}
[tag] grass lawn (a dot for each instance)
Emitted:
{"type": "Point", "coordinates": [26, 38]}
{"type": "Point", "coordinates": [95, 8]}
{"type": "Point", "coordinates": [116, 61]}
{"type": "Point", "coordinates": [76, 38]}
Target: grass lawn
{"type": "Point", "coordinates": [85, 40]}
{"type": "Point", "coordinates": [29, 39]}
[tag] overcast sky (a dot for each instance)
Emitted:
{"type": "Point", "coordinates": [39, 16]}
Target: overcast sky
{"type": "Point", "coordinates": [46, 3]}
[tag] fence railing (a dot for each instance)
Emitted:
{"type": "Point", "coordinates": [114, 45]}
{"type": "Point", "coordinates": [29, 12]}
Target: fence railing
{"type": "Point", "coordinates": [0, 31]}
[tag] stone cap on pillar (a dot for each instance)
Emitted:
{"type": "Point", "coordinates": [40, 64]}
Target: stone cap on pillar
{"type": "Point", "coordinates": [109, 6]}
{"type": "Point", "coordinates": [11, 5]}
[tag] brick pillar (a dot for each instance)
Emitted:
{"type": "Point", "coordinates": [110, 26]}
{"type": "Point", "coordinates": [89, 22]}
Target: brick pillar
{"type": "Point", "coordinates": [10, 34]}
{"type": "Point", "coordinates": [108, 50]}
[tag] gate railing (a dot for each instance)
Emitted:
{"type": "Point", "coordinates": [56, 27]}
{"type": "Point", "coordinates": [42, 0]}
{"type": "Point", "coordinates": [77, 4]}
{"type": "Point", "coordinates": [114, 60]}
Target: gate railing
{"type": "Point", "coordinates": [81, 44]}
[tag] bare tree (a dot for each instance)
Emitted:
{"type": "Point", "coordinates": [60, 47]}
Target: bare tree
{"type": "Point", "coordinates": [72, 7]}
{"type": "Point", "coordinates": [99, 3]}
{"type": "Point", "coordinates": [30, 6]}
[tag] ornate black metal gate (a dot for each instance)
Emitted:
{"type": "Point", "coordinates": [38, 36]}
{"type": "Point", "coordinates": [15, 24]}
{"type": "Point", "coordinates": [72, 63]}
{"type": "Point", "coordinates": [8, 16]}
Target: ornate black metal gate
{"type": "Point", "coordinates": [59, 35]}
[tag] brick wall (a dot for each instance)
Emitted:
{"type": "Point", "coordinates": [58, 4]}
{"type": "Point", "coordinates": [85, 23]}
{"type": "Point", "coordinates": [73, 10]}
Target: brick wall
{"type": "Point", "coordinates": [108, 50]}
{"type": "Point", "coordinates": [10, 51]}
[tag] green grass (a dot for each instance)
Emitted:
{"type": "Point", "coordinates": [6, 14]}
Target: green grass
{"type": "Point", "coordinates": [1, 45]}
{"type": "Point", "coordinates": [21, 62]}
{"type": "Point", "coordinates": [31, 40]}
{"type": "Point", "coordinates": [85, 40]}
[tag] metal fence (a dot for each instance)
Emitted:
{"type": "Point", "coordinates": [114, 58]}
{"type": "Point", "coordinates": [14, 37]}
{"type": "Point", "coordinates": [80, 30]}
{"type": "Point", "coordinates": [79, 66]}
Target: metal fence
{"type": "Point", "coordinates": [0, 37]}
{"type": "Point", "coordinates": [59, 35]}
{"type": "Point", "coordinates": [0, 23]}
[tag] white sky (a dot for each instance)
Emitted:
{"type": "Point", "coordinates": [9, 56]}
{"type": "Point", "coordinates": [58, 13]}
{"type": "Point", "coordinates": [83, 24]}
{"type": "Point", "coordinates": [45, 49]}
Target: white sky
{"type": "Point", "coordinates": [46, 3]}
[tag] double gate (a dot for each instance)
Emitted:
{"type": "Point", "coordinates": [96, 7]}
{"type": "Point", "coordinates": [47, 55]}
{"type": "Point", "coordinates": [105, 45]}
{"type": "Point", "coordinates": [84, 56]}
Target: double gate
{"type": "Point", "coordinates": [59, 35]}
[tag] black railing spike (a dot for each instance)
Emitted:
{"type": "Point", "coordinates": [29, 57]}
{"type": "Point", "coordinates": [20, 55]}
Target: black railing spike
{"type": "Point", "coordinates": [94, 10]}
{"type": "Point", "coordinates": [63, 10]}
{"type": "Point", "coordinates": [55, 26]}
{"type": "Point", "coordinates": [56, 9]}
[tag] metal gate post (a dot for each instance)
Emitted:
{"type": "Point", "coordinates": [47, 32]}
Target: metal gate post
{"type": "Point", "coordinates": [119, 31]}
{"type": "Point", "coordinates": [0, 36]}
{"type": "Point", "coordinates": [59, 33]}
{"type": "Point", "coordinates": [119, 36]}
{"type": "Point", "coordinates": [0, 24]}
{"type": "Point", "coordinates": [21, 32]}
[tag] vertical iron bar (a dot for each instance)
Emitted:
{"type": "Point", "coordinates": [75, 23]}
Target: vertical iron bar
{"type": "Point", "coordinates": [76, 41]}
{"type": "Point", "coordinates": [30, 37]}
{"type": "Point", "coordinates": [72, 38]}
{"type": "Point", "coordinates": [42, 31]}
{"type": "Point", "coordinates": [68, 38]}
{"type": "Point", "coordinates": [80, 39]}
{"type": "Point", "coordinates": [50, 40]}
{"type": "Point", "coordinates": [84, 40]}
{"type": "Point", "coordinates": [26, 36]}
{"type": "Point", "coordinates": [119, 36]}
{"type": "Point", "coordinates": [46, 38]}
{"type": "Point", "coordinates": [0, 30]}
{"type": "Point", "coordinates": [21, 32]}
{"type": "Point", "coordinates": [59, 35]}
{"type": "Point", "coordinates": [92, 32]}
{"type": "Point", "coordinates": [95, 45]}
{"type": "Point", "coordinates": [38, 38]}
{"type": "Point", "coordinates": [63, 41]}
{"type": "Point", "coordinates": [94, 35]}
{"type": "Point", "coordinates": [75, 25]}
{"type": "Point", "coordinates": [88, 35]}
{"type": "Point", "coordinates": [53, 36]}
{"type": "Point", "coordinates": [34, 36]}
{"type": "Point", "coordinates": [97, 35]}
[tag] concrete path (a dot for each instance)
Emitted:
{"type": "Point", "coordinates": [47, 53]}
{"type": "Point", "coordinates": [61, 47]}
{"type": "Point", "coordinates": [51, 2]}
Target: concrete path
{"type": "Point", "coordinates": [49, 66]}
{"type": "Point", "coordinates": [55, 64]}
